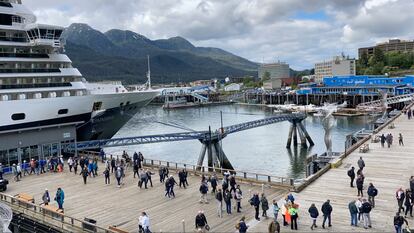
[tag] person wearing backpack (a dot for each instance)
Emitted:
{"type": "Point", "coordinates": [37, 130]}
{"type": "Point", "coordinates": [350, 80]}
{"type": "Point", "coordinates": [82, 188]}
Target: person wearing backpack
{"type": "Point", "coordinates": [372, 193]}
{"type": "Point", "coordinates": [255, 202]}
{"type": "Point", "coordinates": [366, 209]}
{"type": "Point", "coordinates": [241, 226]}
{"type": "Point", "coordinates": [398, 222]}
{"type": "Point", "coordinates": [351, 174]}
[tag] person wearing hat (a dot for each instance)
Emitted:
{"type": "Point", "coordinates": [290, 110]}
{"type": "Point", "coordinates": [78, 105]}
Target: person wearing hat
{"type": "Point", "coordinates": [46, 197]}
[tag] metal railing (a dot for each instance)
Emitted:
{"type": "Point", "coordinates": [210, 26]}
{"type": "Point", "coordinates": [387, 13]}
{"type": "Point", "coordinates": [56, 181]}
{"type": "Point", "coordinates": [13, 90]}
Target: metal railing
{"type": "Point", "coordinates": [242, 175]}
{"type": "Point", "coordinates": [47, 217]}
{"type": "Point", "coordinates": [198, 170]}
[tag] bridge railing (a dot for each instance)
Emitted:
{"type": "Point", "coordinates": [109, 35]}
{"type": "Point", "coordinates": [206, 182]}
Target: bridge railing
{"type": "Point", "coordinates": [57, 220]}
{"type": "Point", "coordinates": [242, 175]}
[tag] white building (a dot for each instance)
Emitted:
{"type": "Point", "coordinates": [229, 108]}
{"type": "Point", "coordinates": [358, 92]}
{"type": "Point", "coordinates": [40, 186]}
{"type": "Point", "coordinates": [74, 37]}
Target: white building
{"type": "Point", "coordinates": [277, 70]}
{"type": "Point", "coordinates": [233, 87]}
{"type": "Point", "coordinates": [272, 84]}
{"type": "Point", "coordinates": [338, 66]}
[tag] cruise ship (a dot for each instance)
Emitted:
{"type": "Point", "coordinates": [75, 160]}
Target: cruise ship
{"type": "Point", "coordinates": [40, 87]}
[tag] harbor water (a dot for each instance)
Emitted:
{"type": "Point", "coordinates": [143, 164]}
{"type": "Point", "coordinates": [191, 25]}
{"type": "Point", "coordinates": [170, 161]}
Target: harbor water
{"type": "Point", "coordinates": [261, 150]}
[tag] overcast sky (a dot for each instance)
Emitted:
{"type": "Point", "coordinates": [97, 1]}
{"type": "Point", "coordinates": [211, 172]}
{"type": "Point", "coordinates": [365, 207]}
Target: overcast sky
{"type": "Point", "coordinates": [300, 32]}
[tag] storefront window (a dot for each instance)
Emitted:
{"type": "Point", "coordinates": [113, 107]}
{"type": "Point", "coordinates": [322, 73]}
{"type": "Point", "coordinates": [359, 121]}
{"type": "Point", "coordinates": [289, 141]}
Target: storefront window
{"type": "Point", "coordinates": [4, 159]}
{"type": "Point", "coordinates": [25, 154]}
{"type": "Point", "coordinates": [13, 157]}
{"type": "Point", "coordinates": [34, 152]}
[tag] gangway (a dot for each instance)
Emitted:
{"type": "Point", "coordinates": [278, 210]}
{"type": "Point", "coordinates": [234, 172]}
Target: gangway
{"type": "Point", "coordinates": [209, 139]}
{"type": "Point", "coordinates": [382, 103]}
{"type": "Point", "coordinates": [201, 98]}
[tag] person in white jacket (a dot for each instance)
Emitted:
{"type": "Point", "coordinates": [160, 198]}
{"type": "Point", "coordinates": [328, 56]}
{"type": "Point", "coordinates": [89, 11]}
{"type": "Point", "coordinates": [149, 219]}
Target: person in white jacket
{"type": "Point", "coordinates": [145, 223]}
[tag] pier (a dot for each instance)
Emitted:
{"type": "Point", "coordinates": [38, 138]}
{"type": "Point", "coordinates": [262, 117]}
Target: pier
{"type": "Point", "coordinates": [388, 169]}
{"type": "Point", "coordinates": [112, 206]}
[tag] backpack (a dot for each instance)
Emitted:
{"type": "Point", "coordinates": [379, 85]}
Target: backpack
{"type": "Point", "coordinates": [374, 192]}
{"type": "Point", "coordinates": [237, 226]}
{"type": "Point", "coordinates": [349, 173]}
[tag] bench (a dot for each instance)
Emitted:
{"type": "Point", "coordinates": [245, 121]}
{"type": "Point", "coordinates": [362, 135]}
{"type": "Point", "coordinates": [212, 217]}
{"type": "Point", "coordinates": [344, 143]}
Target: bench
{"type": "Point", "coordinates": [25, 197]}
{"type": "Point", "coordinates": [53, 211]}
{"type": "Point", "coordinates": [115, 229]}
{"type": "Point", "coordinates": [364, 148]}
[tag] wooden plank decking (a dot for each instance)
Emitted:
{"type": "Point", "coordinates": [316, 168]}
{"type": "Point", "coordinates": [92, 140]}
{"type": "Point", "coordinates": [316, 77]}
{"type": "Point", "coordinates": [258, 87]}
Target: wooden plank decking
{"type": "Point", "coordinates": [110, 205]}
{"type": "Point", "coordinates": [388, 169]}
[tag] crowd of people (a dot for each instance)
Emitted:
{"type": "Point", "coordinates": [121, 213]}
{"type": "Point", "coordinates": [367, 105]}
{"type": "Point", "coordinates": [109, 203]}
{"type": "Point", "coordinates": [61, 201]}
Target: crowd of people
{"type": "Point", "coordinates": [227, 192]}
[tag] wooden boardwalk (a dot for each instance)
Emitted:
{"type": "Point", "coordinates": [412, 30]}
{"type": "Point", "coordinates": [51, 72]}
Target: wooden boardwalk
{"type": "Point", "coordinates": [110, 205]}
{"type": "Point", "coordinates": [387, 168]}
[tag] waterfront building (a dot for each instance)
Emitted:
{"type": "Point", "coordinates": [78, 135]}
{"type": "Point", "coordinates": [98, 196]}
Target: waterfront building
{"type": "Point", "coordinates": [272, 84]}
{"type": "Point", "coordinates": [393, 45]}
{"type": "Point", "coordinates": [362, 85]}
{"type": "Point", "coordinates": [339, 65]}
{"type": "Point", "coordinates": [233, 87]}
{"type": "Point", "coordinates": [276, 70]}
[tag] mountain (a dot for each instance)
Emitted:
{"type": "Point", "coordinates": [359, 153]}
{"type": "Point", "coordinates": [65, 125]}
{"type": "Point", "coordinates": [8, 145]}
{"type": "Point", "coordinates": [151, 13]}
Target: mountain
{"type": "Point", "coordinates": [122, 55]}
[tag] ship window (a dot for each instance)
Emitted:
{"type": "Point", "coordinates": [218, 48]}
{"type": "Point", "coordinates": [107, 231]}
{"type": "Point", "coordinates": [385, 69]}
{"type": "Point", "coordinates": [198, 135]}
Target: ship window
{"type": "Point", "coordinates": [63, 111]}
{"type": "Point", "coordinates": [18, 116]}
{"type": "Point", "coordinates": [97, 106]}
{"type": "Point", "coordinates": [5, 19]}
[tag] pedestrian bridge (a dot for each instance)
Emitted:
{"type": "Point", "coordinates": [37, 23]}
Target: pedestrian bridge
{"type": "Point", "coordinates": [209, 139]}
{"type": "Point", "coordinates": [383, 103]}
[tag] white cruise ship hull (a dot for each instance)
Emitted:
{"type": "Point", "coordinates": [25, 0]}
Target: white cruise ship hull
{"type": "Point", "coordinates": [118, 109]}
{"type": "Point", "coordinates": [44, 112]}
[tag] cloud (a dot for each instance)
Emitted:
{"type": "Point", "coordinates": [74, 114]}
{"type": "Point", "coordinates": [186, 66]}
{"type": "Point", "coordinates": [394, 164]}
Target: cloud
{"type": "Point", "coordinates": [296, 31]}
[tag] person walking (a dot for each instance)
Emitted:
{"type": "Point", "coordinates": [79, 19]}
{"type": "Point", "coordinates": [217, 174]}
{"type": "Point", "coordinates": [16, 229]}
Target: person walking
{"type": "Point", "coordinates": [227, 199]}
{"type": "Point", "coordinates": [358, 204]}
{"type": "Point", "coordinates": [284, 211]}
{"type": "Point", "coordinates": [400, 139]}
{"type": "Point", "coordinates": [107, 174]}
{"type": "Point", "coordinates": [383, 139]}
{"type": "Point", "coordinates": [242, 225]}
{"type": "Point", "coordinates": [238, 195]}
{"type": "Point", "coordinates": [203, 191]}
{"type": "Point", "coordinates": [326, 211]}
{"type": "Point", "coordinates": [366, 210]}
{"type": "Point", "coordinates": [255, 202]}
{"type": "Point", "coordinates": [293, 211]}
{"type": "Point", "coordinates": [313, 213]}
{"type": "Point", "coordinates": [46, 197]}
{"type": "Point", "coordinates": [361, 163]}
{"type": "Point", "coordinates": [274, 227]}
{"type": "Point", "coordinates": [75, 165]}
{"type": "Point", "coordinates": [172, 182]}
{"type": "Point", "coordinates": [135, 166]}
{"type": "Point", "coordinates": [201, 224]}
{"type": "Point", "coordinates": [181, 178]}
{"type": "Point", "coordinates": [145, 223]}
{"type": "Point", "coordinates": [408, 203]}
{"type": "Point", "coordinates": [70, 163]}
{"type": "Point", "coordinates": [400, 195]}
{"type": "Point", "coordinates": [265, 205]}
{"type": "Point", "coordinates": [84, 173]}
{"type": "Point", "coordinates": [60, 198]}
{"type": "Point", "coordinates": [388, 138]}
{"type": "Point", "coordinates": [353, 210]}
{"type": "Point", "coordinates": [372, 193]}
{"type": "Point", "coordinates": [143, 179]}
{"type": "Point", "coordinates": [149, 175]}
{"type": "Point", "coordinates": [411, 183]}
{"type": "Point", "coordinates": [219, 200]}
{"type": "Point", "coordinates": [351, 174]}
{"type": "Point", "coordinates": [399, 222]}
{"type": "Point", "coordinates": [214, 183]}
{"type": "Point", "coordinates": [360, 185]}
{"type": "Point", "coordinates": [118, 176]}
{"type": "Point", "coordinates": [275, 209]}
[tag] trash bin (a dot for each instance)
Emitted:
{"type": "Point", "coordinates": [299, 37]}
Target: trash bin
{"type": "Point", "coordinates": [87, 226]}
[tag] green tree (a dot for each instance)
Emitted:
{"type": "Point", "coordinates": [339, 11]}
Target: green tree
{"type": "Point", "coordinates": [379, 55]}
{"type": "Point", "coordinates": [363, 61]}
{"type": "Point", "coordinates": [266, 76]}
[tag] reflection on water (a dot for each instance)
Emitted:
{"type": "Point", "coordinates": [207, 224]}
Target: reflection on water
{"type": "Point", "coordinates": [261, 150]}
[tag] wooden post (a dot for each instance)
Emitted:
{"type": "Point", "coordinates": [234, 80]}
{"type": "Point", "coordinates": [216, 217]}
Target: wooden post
{"type": "Point", "coordinates": [311, 143]}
